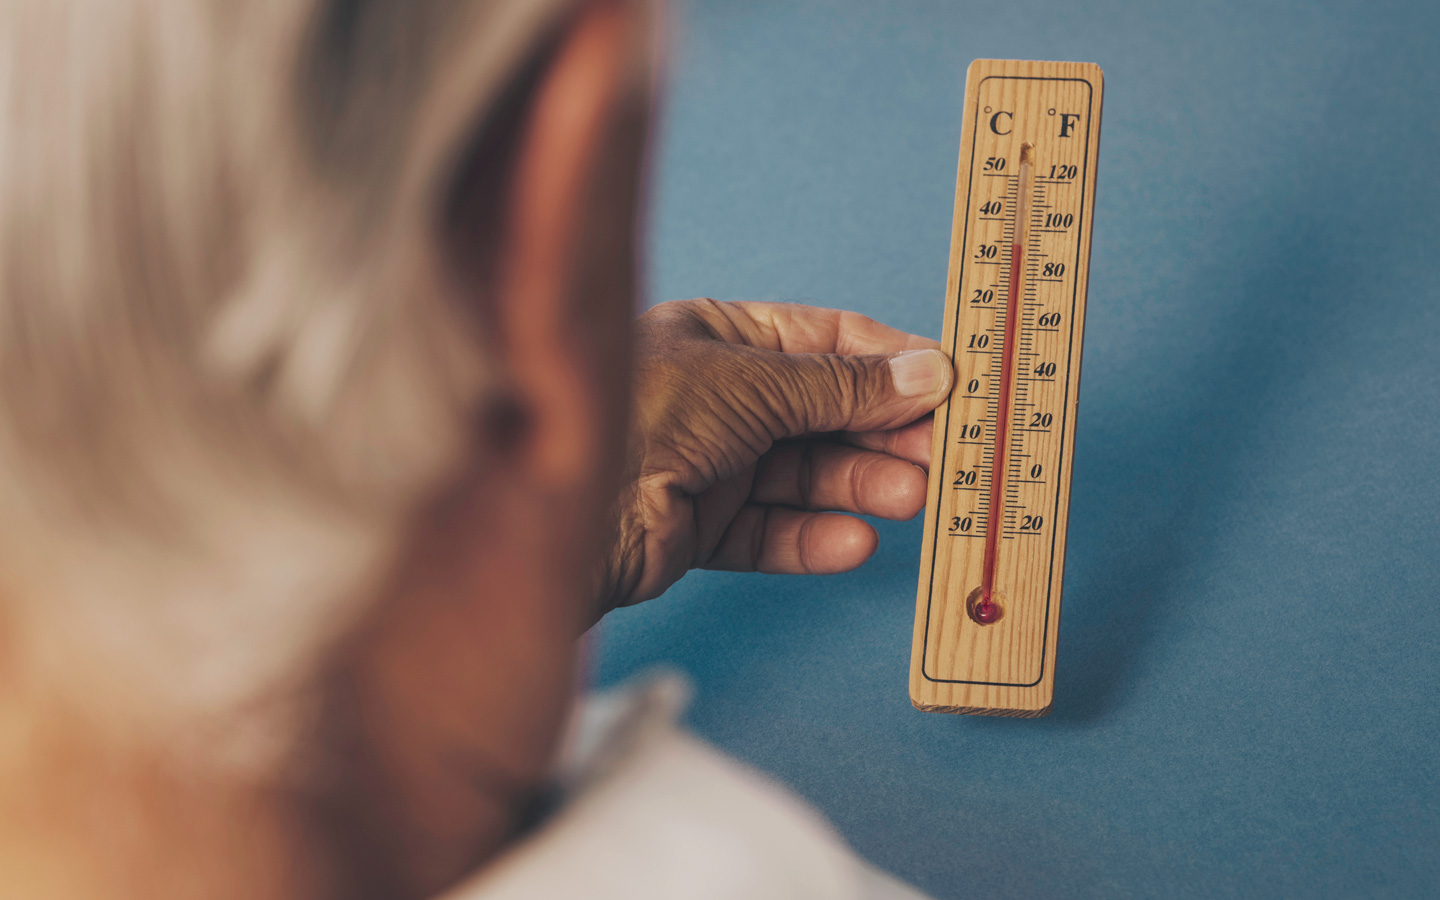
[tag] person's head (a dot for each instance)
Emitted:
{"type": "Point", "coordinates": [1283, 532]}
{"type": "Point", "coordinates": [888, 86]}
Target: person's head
{"type": "Point", "coordinates": [313, 356]}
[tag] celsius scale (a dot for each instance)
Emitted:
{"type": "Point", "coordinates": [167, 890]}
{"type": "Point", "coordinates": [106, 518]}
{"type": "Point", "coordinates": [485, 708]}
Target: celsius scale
{"type": "Point", "coordinates": [988, 608]}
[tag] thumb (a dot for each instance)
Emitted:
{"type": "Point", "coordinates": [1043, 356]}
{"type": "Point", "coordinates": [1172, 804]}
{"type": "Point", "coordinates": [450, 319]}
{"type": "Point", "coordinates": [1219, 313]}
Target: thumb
{"type": "Point", "coordinates": [831, 392]}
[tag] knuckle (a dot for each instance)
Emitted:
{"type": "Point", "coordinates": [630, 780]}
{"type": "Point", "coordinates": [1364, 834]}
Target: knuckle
{"type": "Point", "coordinates": [675, 319]}
{"type": "Point", "coordinates": [757, 541]}
{"type": "Point", "coordinates": [771, 387]}
{"type": "Point", "coordinates": [832, 389]}
{"type": "Point", "coordinates": [804, 546]}
{"type": "Point", "coordinates": [854, 385]}
{"type": "Point", "coordinates": [805, 476]}
{"type": "Point", "coordinates": [825, 392]}
{"type": "Point", "coordinates": [858, 472]}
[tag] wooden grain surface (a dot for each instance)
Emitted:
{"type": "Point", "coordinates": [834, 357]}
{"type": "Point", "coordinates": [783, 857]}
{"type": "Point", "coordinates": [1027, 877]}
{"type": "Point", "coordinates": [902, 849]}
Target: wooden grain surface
{"type": "Point", "coordinates": [1007, 667]}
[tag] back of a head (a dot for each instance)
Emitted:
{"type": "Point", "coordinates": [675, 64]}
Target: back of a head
{"type": "Point", "coordinates": [312, 314]}
{"type": "Point", "coordinates": [227, 377]}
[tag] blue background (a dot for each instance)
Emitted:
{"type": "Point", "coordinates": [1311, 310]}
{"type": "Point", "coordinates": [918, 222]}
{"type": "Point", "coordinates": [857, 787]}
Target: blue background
{"type": "Point", "coordinates": [1246, 694]}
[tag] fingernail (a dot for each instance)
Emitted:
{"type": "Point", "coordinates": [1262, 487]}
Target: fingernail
{"type": "Point", "coordinates": [917, 373]}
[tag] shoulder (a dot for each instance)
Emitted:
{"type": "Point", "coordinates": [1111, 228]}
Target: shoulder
{"type": "Point", "coordinates": [649, 811]}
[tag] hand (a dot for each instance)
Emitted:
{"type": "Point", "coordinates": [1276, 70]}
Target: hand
{"type": "Point", "coordinates": [752, 422]}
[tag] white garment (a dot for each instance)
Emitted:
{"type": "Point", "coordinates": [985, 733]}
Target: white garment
{"type": "Point", "coordinates": [649, 812]}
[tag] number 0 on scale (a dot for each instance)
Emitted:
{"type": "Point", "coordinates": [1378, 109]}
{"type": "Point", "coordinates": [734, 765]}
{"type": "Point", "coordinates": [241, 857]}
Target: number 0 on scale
{"type": "Point", "coordinates": [988, 613]}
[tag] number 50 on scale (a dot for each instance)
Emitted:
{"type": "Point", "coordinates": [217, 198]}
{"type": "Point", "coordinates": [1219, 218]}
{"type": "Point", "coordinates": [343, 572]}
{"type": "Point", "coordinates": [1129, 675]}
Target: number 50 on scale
{"type": "Point", "coordinates": [988, 609]}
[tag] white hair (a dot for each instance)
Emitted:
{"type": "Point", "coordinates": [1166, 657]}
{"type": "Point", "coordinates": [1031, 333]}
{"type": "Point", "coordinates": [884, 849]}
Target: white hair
{"type": "Point", "coordinates": [230, 362]}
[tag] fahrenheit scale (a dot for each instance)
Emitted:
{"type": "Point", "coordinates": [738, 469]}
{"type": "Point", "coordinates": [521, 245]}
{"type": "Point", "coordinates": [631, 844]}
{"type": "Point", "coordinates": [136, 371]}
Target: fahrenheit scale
{"type": "Point", "coordinates": [988, 612]}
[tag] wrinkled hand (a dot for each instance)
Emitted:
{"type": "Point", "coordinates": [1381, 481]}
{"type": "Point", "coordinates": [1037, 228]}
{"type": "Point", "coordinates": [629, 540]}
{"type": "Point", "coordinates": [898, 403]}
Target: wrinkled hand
{"type": "Point", "coordinates": [754, 425]}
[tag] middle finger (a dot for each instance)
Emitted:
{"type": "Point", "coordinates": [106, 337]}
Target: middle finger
{"type": "Point", "coordinates": [823, 475]}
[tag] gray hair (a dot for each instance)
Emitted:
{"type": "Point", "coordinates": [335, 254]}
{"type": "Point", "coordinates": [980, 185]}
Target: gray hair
{"type": "Point", "coordinates": [231, 364]}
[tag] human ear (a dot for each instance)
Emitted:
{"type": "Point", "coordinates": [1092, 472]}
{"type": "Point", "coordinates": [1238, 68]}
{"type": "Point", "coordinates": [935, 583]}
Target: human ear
{"type": "Point", "coordinates": [541, 225]}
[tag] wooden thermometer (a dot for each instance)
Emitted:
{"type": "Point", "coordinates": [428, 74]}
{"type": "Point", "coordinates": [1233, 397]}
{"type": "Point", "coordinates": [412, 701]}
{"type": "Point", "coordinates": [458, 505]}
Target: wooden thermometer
{"type": "Point", "coordinates": [988, 613]}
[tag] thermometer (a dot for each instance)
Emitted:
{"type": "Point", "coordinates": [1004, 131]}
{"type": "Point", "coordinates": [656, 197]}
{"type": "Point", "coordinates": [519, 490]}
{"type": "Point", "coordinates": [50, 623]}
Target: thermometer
{"type": "Point", "coordinates": [988, 608]}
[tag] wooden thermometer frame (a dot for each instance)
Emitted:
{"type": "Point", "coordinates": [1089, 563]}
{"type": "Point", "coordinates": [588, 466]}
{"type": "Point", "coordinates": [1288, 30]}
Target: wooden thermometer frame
{"type": "Point", "coordinates": [1028, 152]}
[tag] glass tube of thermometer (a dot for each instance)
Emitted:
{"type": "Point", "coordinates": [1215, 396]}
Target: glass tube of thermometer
{"type": "Point", "coordinates": [983, 606]}
{"type": "Point", "coordinates": [988, 606]}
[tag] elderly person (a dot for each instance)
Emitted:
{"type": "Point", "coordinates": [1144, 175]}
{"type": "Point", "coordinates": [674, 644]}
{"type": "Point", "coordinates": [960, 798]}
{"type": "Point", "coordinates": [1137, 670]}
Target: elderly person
{"type": "Point", "coordinates": [326, 430]}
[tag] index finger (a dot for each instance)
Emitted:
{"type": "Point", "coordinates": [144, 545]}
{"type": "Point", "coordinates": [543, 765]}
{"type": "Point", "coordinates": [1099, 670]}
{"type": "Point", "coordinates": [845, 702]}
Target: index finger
{"type": "Point", "coordinates": [796, 328]}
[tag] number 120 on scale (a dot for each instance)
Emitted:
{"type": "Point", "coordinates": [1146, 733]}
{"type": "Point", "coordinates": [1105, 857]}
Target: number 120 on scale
{"type": "Point", "coordinates": [988, 607]}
